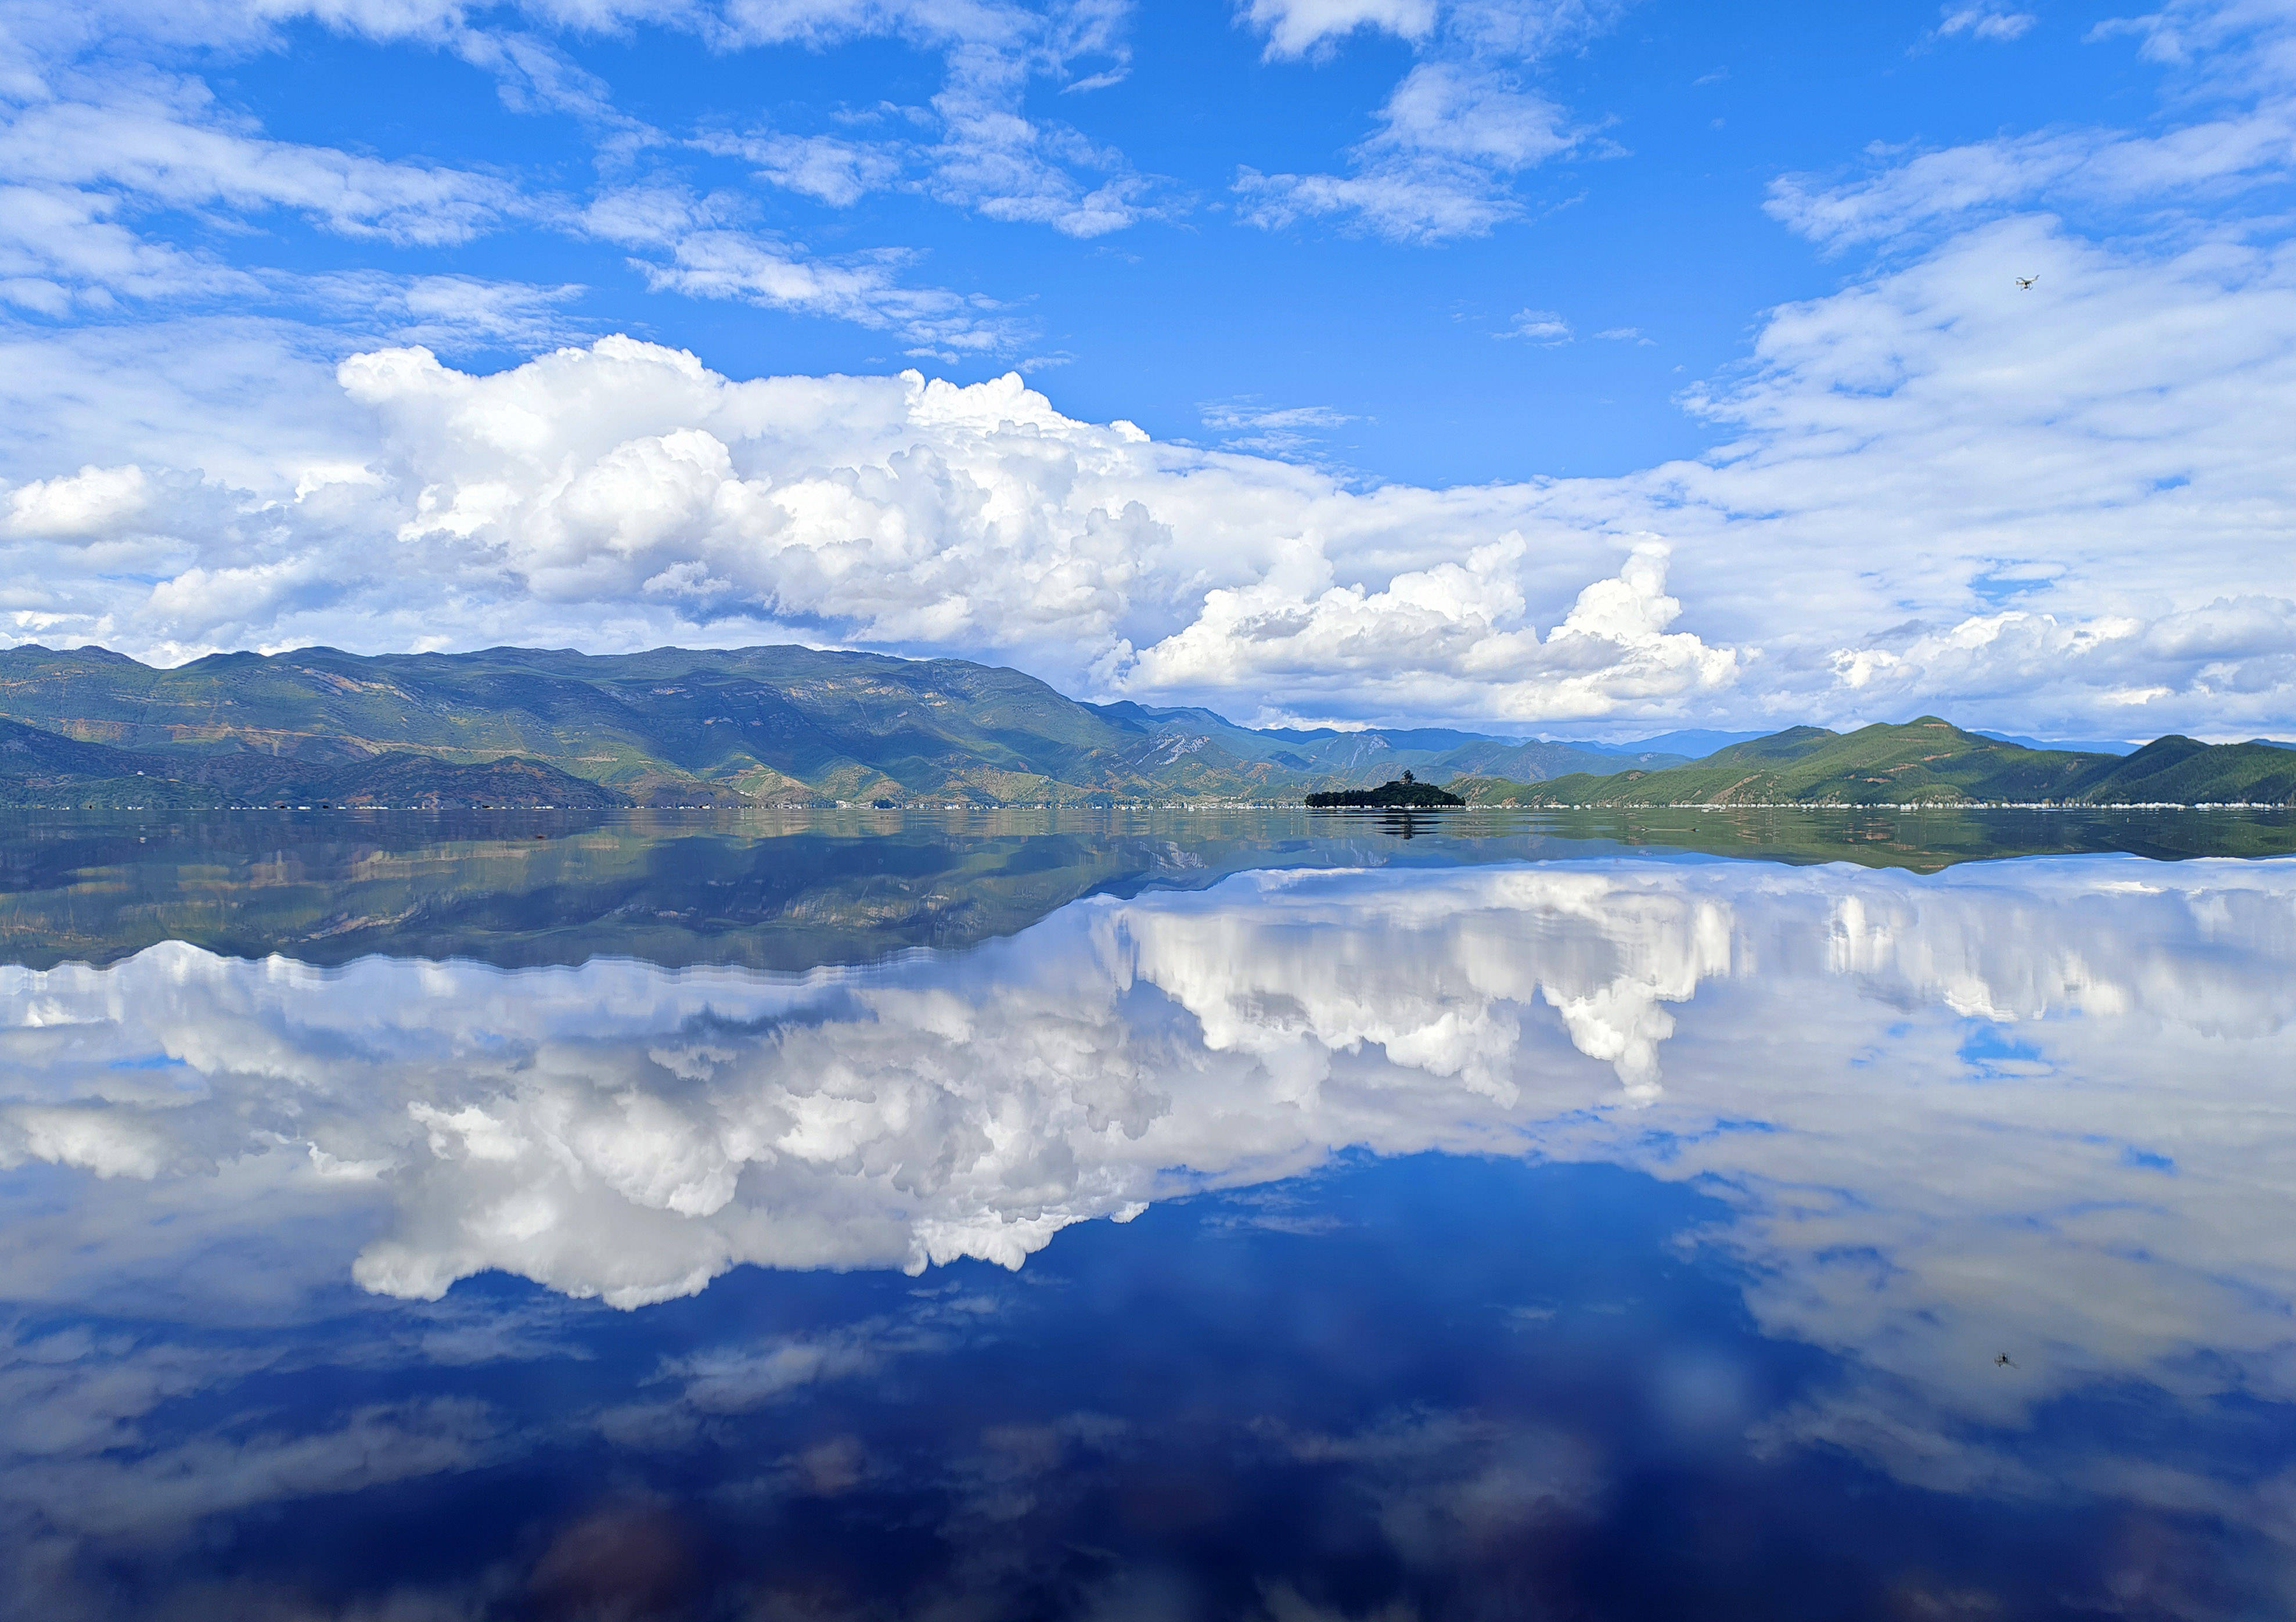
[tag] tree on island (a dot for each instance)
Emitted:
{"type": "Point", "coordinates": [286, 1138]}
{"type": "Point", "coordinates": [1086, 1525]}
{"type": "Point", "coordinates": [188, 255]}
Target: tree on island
{"type": "Point", "coordinates": [1405, 793]}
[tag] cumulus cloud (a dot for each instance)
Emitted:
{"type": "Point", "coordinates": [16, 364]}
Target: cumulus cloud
{"type": "Point", "coordinates": [1453, 629]}
{"type": "Point", "coordinates": [88, 503]}
{"type": "Point", "coordinates": [2233, 645]}
{"type": "Point", "coordinates": [624, 494]}
{"type": "Point", "coordinates": [628, 484]}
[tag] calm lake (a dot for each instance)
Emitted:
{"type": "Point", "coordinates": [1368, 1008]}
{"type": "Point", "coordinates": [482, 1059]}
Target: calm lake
{"type": "Point", "coordinates": [1136, 1217]}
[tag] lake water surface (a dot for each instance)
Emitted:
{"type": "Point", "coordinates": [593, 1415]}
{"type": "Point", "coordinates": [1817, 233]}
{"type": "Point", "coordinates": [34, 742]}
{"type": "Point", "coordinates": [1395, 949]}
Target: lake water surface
{"type": "Point", "coordinates": [1141, 1216]}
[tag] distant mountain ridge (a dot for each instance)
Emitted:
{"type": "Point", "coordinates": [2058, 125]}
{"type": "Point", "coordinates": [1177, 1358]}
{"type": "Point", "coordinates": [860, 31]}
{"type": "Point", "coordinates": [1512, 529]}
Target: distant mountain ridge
{"type": "Point", "coordinates": [1927, 761]}
{"type": "Point", "coordinates": [529, 726]}
{"type": "Point", "coordinates": [1441, 750]}
{"type": "Point", "coordinates": [672, 726]}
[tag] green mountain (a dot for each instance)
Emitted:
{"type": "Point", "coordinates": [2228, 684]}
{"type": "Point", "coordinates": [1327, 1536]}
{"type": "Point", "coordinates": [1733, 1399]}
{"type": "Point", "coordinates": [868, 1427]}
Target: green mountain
{"type": "Point", "coordinates": [45, 768]}
{"type": "Point", "coordinates": [670, 727]}
{"type": "Point", "coordinates": [1924, 762]}
{"type": "Point", "coordinates": [787, 725]}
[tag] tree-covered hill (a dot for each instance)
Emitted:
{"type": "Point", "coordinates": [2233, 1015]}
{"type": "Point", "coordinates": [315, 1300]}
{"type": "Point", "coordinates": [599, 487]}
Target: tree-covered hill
{"type": "Point", "coordinates": [680, 726]}
{"type": "Point", "coordinates": [673, 726]}
{"type": "Point", "coordinates": [1927, 761]}
{"type": "Point", "coordinates": [45, 768]}
{"type": "Point", "coordinates": [799, 725]}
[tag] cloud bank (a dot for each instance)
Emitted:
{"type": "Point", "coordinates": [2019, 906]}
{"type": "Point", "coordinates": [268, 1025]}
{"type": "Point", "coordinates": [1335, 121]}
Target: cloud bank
{"type": "Point", "coordinates": [1944, 494]}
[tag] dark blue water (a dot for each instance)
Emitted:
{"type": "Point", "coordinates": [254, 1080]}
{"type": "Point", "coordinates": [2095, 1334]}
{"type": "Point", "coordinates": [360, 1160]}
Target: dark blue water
{"type": "Point", "coordinates": [1259, 1220]}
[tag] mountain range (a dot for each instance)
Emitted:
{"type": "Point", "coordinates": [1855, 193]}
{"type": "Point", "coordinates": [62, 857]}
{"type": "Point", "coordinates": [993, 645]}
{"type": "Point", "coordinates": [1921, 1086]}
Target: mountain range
{"type": "Point", "coordinates": [1927, 761]}
{"type": "Point", "coordinates": [802, 726]}
{"type": "Point", "coordinates": [670, 727]}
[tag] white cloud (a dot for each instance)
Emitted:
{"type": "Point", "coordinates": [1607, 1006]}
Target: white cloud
{"type": "Point", "coordinates": [170, 149]}
{"type": "Point", "coordinates": [711, 257]}
{"type": "Point", "coordinates": [1986, 21]}
{"type": "Point", "coordinates": [826, 167]}
{"type": "Point", "coordinates": [88, 503]}
{"type": "Point", "coordinates": [62, 251]}
{"type": "Point", "coordinates": [1450, 629]}
{"type": "Point", "coordinates": [1540, 327]}
{"type": "Point", "coordinates": [1000, 163]}
{"type": "Point", "coordinates": [104, 148]}
{"type": "Point", "coordinates": [2109, 435]}
{"type": "Point", "coordinates": [1296, 26]}
{"type": "Point", "coordinates": [2244, 46]}
{"type": "Point", "coordinates": [1246, 424]}
{"type": "Point", "coordinates": [2081, 168]}
{"type": "Point", "coordinates": [986, 154]}
{"type": "Point", "coordinates": [2235, 645]}
{"type": "Point", "coordinates": [1451, 137]}
{"type": "Point", "coordinates": [450, 313]}
{"type": "Point", "coordinates": [2233, 66]}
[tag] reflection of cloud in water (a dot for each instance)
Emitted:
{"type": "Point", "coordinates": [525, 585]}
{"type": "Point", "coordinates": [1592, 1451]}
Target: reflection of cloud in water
{"type": "Point", "coordinates": [2036, 1107]}
{"type": "Point", "coordinates": [631, 1132]}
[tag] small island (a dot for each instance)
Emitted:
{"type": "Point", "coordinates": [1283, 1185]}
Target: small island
{"type": "Point", "coordinates": [1405, 793]}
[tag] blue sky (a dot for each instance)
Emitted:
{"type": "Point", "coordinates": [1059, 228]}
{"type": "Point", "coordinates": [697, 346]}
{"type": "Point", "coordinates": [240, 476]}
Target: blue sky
{"type": "Point", "coordinates": [1555, 364]}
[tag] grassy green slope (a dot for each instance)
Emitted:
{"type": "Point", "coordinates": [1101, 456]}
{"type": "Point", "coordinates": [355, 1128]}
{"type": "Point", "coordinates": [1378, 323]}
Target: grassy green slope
{"type": "Point", "coordinates": [1924, 762]}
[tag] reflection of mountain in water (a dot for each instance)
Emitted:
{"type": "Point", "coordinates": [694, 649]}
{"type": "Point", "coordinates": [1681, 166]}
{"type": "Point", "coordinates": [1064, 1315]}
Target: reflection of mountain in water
{"type": "Point", "coordinates": [517, 890]}
{"type": "Point", "coordinates": [793, 892]}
